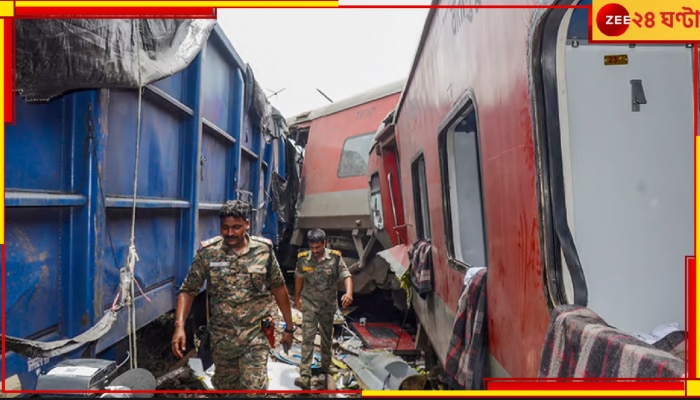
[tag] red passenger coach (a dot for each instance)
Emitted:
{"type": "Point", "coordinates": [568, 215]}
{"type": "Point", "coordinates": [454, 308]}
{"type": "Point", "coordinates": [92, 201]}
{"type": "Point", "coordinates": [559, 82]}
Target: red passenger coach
{"type": "Point", "coordinates": [555, 170]}
{"type": "Point", "coordinates": [334, 196]}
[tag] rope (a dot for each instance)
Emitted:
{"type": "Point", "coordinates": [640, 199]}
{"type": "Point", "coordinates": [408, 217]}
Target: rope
{"type": "Point", "coordinates": [133, 257]}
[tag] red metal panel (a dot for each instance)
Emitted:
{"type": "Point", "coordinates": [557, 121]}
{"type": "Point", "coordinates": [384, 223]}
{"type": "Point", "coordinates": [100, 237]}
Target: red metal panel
{"type": "Point", "coordinates": [326, 137]}
{"type": "Point", "coordinates": [492, 61]}
{"type": "Point", "coordinates": [384, 164]}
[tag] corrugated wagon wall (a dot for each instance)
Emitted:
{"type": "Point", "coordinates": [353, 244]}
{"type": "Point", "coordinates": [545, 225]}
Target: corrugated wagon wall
{"type": "Point", "coordinates": [69, 188]}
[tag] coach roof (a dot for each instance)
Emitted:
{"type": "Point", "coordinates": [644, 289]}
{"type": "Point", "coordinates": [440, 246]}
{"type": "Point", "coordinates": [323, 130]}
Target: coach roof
{"type": "Point", "coordinates": [359, 99]}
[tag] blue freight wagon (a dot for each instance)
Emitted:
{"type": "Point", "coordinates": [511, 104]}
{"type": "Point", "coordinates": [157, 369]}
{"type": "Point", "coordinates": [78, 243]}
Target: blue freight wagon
{"type": "Point", "coordinates": [70, 173]}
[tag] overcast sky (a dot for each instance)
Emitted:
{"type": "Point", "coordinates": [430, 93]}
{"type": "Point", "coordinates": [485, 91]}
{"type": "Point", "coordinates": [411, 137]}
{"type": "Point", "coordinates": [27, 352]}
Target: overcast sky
{"type": "Point", "coordinates": [342, 52]}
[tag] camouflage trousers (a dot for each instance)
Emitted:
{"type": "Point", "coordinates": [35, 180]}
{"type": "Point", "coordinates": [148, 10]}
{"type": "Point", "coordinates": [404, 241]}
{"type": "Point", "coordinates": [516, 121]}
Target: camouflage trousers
{"type": "Point", "coordinates": [241, 369]}
{"type": "Point", "coordinates": [311, 322]}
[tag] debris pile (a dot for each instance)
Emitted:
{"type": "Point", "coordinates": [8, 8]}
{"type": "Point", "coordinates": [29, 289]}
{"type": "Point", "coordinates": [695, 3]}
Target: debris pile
{"type": "Point", "coordinates": [369, 356]}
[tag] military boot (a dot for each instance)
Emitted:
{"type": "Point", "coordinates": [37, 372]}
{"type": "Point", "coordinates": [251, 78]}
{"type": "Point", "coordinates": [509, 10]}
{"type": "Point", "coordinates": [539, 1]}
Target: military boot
{"type": "Point", "coordinates": [303, 382]}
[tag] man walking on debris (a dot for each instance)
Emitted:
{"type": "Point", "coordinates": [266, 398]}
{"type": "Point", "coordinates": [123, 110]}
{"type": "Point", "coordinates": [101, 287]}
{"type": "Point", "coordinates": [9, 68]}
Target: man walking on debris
{"type": "Point", "coordinates": [241, 272]}
{"type": "Point", "coordinates": [316, 295]}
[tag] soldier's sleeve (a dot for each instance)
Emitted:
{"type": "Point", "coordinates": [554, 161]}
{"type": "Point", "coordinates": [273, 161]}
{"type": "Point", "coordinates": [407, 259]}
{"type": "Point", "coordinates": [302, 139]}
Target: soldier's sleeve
{"type": "Point", "coordinates": [343, 271]}
{"type": "Point", "coordinates": [195, 276]}
{"type": "Point", "coordinates": [299, 271]}
{"type": "Point", "coordinates": [276, 277]}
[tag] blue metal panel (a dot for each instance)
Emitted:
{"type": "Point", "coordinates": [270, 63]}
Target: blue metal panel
{"type": "Point", "coordinates": [69, 177]}
{"type": "Point", "coordinates": [578, 27]}
{"type": "Point", "coordinates": [166, 168]}
{"type": "Point", "coordinates": [126, 202]}
{"type": "Point", "coordinates": [237, 127]}
{"type": "Point", "coordinates": [191, 167]}
{"type": "Point", "coordinates": [38, 155]}
{"type": "Point", "coordinates": [247, 163]}
{"type": "Point", "coordinates": [281, 157]}
{"type": "Point", "coordinates": [269, 228]}
{"type": "Point", "coordinates": [256, 176]}
{"type": "Point", "coordinates": [159, 153]}
{"type": "Point", "coordinates": [222, 101]}
{"type": "Point", "coordinates": [270, 225]}
{"type": "Point", "coordinates": [33, 265]}
{"type": "Point", "coordinates": [157, 234]}
{"type": "Point", "coordinates": [167, 101]}
{"type": "Point", "coordinates": [208, 225]}
{"type": "Point", "coordinates": [39, 199]}
{"type": "Point", "coordinates": [50, 235]}
{"type": "Point", "coordinates": [80, 249]}
{"type": "Point", "coordinates": [175, 86]}
{"type": "Point", "coordinates": [217, 87]}
{"type": "Point", "coordinates": [260, 210]}
{"type": "Point", "coordinates": [214, 170]}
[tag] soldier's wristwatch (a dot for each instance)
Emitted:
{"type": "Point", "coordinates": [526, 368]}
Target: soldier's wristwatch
{"type": "Point", "coordinates": [289, 330]}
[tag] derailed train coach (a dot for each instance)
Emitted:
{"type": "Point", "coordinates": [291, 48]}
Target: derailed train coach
{"type": "Point", "coordinates": [549, 179]}
{"type": "Point", "coordinates": [333, 194]}
{"type": "Point", "coordinates": [106, 182]}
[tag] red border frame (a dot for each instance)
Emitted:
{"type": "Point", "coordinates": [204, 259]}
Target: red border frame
{"type": "Point", "coordinates": [492, 383]}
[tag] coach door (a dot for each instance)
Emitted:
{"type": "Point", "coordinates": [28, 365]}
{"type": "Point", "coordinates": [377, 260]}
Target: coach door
{"type": "Point", "coordinates": [623, 152]}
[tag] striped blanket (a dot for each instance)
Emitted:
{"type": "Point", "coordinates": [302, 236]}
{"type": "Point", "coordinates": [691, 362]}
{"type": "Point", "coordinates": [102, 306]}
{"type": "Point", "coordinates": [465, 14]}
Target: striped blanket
{"type": "Point", "coordinates": [580, 344]}
{"type": "Point", "coordinates": [466, 357]}
{"type": "Point", "coordinates": [420, 255]}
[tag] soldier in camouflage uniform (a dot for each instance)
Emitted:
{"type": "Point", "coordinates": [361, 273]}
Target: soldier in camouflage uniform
{"type": "Point", "coordinates": [316, 295]}
{"type": "Point", "coordinates": [242, 274]}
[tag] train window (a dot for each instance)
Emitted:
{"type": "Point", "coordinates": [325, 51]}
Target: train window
{"type": "Point", "coordinates": [461, 183]}
{"type": "Point", "coordinates": [420, 197]}
{"type": "Point", "coordinates": [355, 155]}
{"type": "Point", "coordinates": [375, 202]}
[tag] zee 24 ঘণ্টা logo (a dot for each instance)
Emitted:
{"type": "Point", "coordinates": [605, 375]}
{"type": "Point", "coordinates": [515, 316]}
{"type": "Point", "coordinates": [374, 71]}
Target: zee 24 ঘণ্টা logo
{"type": "Point", "coordinates": [614, 19]}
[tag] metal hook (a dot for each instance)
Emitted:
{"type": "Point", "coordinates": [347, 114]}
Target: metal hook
{"type": "Point", "coordinates": [638, 96]}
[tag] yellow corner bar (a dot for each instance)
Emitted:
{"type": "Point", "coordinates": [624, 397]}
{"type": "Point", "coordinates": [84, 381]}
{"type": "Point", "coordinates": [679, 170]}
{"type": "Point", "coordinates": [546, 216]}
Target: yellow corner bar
{"type": "Point", "coordinates": [204, 3]}
{"type": "Point", "coordinates": [2, 130]}
{"type": "Point", "coordinates": [693, 388]}
{"type": "Point", "coordinates": [695, 385]}
{"type": "Point", "coordinates": [7, 8]}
